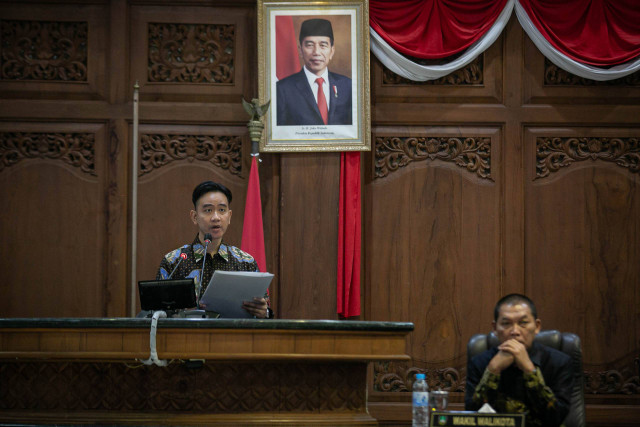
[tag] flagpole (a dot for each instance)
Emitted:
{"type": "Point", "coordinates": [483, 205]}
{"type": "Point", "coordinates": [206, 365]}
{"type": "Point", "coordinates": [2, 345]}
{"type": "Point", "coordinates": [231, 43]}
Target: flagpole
{"type": "Point", "coordinates": [252, 228]}
{"type": "Point", "coordinates": [134, 199]}
{"type": "Point", "coordinates": [255, 125]}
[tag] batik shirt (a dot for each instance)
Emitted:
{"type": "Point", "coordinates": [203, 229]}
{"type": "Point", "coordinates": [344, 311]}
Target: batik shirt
{"type": "Point", "coordinates": [544, 395]}
{"type": "Point", "coordinates": [228, 258]}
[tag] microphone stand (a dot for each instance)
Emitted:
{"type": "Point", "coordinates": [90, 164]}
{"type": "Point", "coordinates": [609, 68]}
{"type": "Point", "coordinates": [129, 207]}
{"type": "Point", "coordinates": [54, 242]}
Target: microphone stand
{"type": "Point", "coordinates": [182, 256]}
{"type": "Point", "coordinates": [198, 312]}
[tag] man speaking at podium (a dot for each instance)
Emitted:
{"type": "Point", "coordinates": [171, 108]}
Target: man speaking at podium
{"type": "Point", "coordinates": [520, 375]}
{"type": "Point", "coordinates": [211, 213]}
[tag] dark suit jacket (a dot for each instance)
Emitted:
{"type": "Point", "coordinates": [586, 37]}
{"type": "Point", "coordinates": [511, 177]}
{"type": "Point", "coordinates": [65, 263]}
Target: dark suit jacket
{"type": "Point", "coordinates": [298, 107]}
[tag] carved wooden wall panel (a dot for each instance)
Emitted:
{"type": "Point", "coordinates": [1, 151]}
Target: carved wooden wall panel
{"type": "Point", "coordinates": [53, 202]}
{"type": "Point", "coordinates": [309, 189]}
{"type": "Point", "coordinates": [107, 40]}
{"type": "Point", "coordinates": [213, 388]}
{"type": "Point", "coordinates": [426, 219]}
{"type": "Point", "coordinates": [45, 51]}
{"type": "Point", "coordinates": [556, 76]}
{"type": "Point", "coordinates": [546, 83]}
{"type": "Point", "coordinates": [41, 50]}
{"type": "Point", "coordinates": [223, 151]}
{"type": "Point", "coordinates": [173, 160]}
{"type": "Point", "coordinates": [191, 53]}
{"type": "Point", "coordinates": [473, 154]}
{"type": "Point", "coordinates": [399, 377]}
{"type": "Point", "coordinates": [478, 82]}
{"type": "Point", "coordinates": [553, 153]}
{"type": "Point", "coordinates": [582, 237]}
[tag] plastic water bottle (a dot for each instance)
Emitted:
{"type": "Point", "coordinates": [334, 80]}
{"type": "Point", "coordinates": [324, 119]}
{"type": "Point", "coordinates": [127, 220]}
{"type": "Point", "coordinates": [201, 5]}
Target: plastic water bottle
{"type": "Point", "coordinates": [420, 402]}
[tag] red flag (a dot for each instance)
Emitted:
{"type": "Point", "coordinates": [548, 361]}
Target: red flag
{"type": "Point", "coordinates": [287, 61]}
{"type": "Point", "coordinates": [252, 231]}
{"type": "Point", "coordinates": [349, 229]}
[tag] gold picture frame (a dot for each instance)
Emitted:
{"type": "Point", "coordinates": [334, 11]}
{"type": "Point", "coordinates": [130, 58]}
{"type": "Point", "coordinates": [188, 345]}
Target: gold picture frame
{"type": "Point", "coordinates": [293, 122]}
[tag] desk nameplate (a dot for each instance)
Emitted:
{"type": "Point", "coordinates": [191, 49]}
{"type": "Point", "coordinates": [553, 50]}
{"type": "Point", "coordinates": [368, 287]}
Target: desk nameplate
{"type": "Point", "coordinates": [468, 418]}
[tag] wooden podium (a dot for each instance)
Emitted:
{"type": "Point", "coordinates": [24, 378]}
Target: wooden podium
{"type": "Point", "coordinates": [221, 371]}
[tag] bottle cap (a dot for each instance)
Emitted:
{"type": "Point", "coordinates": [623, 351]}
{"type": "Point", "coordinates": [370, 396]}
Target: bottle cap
{"type": "Point", "coordinates": [419, 376]}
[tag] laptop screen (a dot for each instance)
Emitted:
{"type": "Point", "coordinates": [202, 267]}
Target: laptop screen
{"type": "Point", "coordinates": [171, 294]}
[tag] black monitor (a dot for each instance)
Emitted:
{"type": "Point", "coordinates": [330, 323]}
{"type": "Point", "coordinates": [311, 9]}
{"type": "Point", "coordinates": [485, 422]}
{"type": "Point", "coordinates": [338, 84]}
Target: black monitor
{"type": "Point", "coordinates": [174, 294]}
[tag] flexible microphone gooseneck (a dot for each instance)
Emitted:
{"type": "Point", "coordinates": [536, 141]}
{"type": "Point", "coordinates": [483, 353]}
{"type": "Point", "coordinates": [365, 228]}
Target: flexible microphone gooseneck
{"type": "Point", "coordinates": [182, 257]}
{"type": "Point", "coordinates": [207, 240]}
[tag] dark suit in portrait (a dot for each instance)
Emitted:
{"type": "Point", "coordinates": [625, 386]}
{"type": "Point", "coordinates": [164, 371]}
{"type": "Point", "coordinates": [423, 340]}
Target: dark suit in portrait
{"type": "Point", "coordinates": [297, 105]}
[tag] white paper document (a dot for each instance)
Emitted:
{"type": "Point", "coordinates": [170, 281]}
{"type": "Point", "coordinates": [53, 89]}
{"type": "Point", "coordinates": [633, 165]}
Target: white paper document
{"type": "Point", "coordinates": [228, 289]}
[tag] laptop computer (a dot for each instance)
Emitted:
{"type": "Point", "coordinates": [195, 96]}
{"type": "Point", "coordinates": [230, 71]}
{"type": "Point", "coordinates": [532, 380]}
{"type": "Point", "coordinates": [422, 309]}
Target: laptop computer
{"type": "Point", "coordinates": [174, 294]}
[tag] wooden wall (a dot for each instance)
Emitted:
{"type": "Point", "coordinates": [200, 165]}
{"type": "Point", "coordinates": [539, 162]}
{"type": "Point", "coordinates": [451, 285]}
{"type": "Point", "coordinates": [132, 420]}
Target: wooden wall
{"type": "Point", "coordinates": [509, 175]}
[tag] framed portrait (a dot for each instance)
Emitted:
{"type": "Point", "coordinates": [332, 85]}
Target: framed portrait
{"type": "Point", "coordinates": [313, 67]}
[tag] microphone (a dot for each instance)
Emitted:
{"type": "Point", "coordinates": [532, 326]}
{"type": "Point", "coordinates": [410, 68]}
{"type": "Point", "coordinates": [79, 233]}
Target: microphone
{"type": "Point", "coordinates": [207, 240]}
{"type": "Point", "coordinates": [182, 256]}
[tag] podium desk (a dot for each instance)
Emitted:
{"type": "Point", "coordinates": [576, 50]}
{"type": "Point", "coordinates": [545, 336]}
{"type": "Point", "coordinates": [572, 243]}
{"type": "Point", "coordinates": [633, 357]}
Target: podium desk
{"type": "Point", "coordinates": [220, 371]}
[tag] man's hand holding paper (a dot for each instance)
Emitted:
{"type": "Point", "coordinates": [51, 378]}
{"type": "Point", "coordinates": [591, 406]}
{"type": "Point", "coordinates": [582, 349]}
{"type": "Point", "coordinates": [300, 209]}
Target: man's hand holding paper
{"type": "Point", "coordinates": [237, 294]}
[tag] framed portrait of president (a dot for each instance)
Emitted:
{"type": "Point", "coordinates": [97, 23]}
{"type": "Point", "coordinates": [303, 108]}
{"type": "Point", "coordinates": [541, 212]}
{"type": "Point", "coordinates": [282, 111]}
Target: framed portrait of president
{"type": "Point", "coordinates": [313, 67]}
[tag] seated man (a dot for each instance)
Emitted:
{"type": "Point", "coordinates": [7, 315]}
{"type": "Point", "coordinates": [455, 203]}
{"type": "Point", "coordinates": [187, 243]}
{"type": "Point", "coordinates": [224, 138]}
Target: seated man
{"type": "Point", "coordinates": [211, 213]}
{"type": "Point", "coordinates": [520, 375]}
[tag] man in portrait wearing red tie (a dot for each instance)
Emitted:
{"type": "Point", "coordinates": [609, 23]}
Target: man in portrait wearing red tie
{"type": "Point", "coordinates": [314, 95]}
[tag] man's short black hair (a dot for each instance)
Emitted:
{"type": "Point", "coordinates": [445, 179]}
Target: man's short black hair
{"type": "Point", "coordinates": [209, 187]}
{"type": "Point", "coordinates": [512, 299]}
{"type": "Point", "coordinates": [316, 27]}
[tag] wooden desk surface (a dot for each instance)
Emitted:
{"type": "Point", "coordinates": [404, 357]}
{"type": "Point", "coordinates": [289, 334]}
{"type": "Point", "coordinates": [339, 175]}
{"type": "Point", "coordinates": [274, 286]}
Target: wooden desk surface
{"type": "Point", "coordinates": [211, 339]}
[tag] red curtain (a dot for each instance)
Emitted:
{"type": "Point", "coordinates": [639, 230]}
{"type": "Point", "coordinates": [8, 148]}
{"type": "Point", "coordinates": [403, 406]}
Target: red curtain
{"type": "Point", "coordinates": [349, 235]}
{"type": "Point", "coordinates": [433, 29]}
{"type": "Point", "coordinates": [596, 32]}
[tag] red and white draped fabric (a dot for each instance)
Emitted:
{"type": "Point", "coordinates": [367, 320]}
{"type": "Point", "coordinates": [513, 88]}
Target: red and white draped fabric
{"type": "Point", "coordinates": [458, 30]}
{"type": "Point", "coordinates": [596, 39]}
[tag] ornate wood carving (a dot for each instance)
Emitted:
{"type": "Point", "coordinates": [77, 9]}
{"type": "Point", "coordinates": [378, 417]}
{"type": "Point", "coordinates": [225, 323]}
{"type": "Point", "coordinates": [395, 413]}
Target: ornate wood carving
{"type": "Point", "coordinates": [472, 74]}
{"type": "Point", "coordinates": [76, 149]}
{"type": "Point", "coordinates": [553, 153]}
{"type": "Point", "coordinates": [159, 150]}
{"type": "Point", "coordinates": [612, 382]}
{"type": "Point", "coordinates": [555, 76]}
{"type": "Point", "coordinates": [39, 50]}
{"type": "Point", "coordinates": [471, 153]}
{"type": "Point", "coordinates": [191, 53]}
{"type": "Point", "coordinates": [624, 378]}
{"type": "Point", "coordinates": [211, 388]}
{"type": "Point", "coordinates": [398, 377]}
